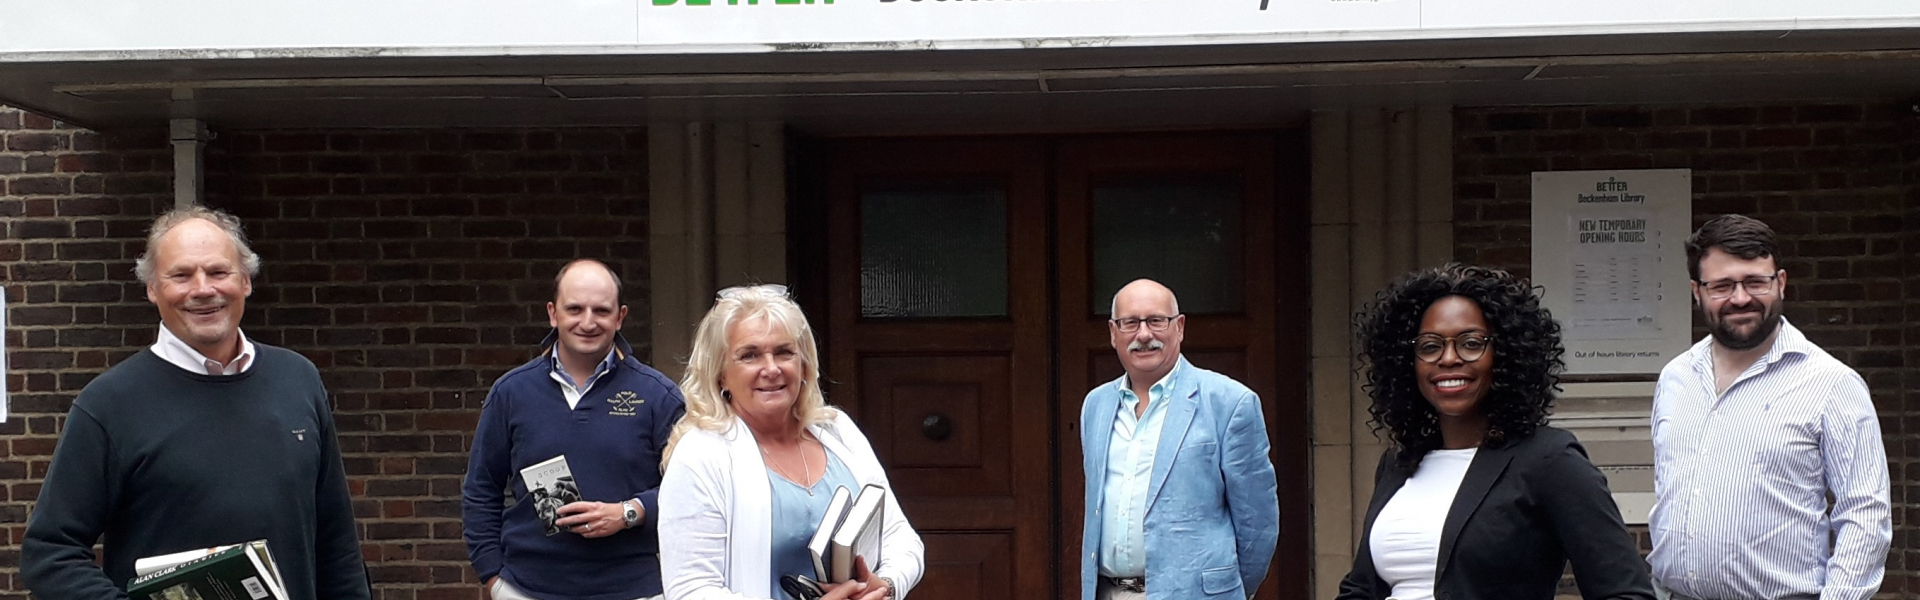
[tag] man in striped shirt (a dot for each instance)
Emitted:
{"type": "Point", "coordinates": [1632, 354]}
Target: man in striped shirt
{"type": "Point", "coordinates": [1753, 429]}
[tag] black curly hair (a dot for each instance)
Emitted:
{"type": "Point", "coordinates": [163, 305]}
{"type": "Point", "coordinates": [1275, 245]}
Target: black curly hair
{"type": "Point", "coordinates": [1526, 340]}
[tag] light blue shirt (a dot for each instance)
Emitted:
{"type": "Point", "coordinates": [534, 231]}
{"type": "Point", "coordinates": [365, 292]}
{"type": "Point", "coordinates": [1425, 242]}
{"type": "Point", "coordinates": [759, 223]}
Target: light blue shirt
{"type": "Point", "coordinates": [574, 392]}
{"type": "Point", "coordinates": [1741, 479]}
{"type": "Point", "coordinates": [796, 514]}
{"type": "Point", "coordinates": [1123, 496]}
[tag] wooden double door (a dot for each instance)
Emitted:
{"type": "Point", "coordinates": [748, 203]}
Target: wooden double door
{"type": "Point", "coordinates": [965, 288]}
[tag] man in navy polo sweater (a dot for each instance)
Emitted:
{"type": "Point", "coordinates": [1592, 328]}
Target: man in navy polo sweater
{"type": "Point", "coordinates": [586, 398]}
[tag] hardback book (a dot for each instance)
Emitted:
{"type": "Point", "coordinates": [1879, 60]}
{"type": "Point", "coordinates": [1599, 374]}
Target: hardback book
{"type": "Point", "coordinates": [150, 564]}
{"type": "Point", "coordinates": [550, 486]}
{"type": "Point", "coordinates": [237, 572]}
{"type": "Point", "coordinates": [823, 536]}
{"type": "Point", "coordinates": [859, 533]}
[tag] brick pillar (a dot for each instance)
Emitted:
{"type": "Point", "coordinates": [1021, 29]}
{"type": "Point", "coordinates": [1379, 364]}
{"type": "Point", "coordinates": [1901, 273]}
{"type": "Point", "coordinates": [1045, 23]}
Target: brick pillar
{"type": "Point", "coordinates": [1381, 180]}
{"type": "Point", "coordinates": [719, 219]}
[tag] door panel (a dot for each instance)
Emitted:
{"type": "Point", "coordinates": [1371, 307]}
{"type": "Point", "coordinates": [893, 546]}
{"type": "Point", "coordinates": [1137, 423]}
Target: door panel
{"type": "Point", "coordinates": [929, 412]}
{"type": "Point", "coordinates": [1196, 216]}
{"type": "Point", "coordinates": [968, 565]}
{"type": "Point", "coordinates": [1194, 212]}
{"type": "Point", "coordinates": [938, 345]}
{"type": "Point", "coordinates": [966, 285]}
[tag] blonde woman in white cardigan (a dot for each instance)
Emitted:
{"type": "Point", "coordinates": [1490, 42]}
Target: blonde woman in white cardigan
{"type": "Point", "coordinates": [758, 452]}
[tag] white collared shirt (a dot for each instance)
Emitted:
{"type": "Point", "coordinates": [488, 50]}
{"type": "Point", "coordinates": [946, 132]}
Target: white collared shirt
{"type": "Point", "coordinates": [1123, 496]}
{"type": "Point", "coordinates": [174, 350]}
{"type": "Point", "coordinates": [1741, 478]}
{"type": "Point", "coordinates": [573, 394]}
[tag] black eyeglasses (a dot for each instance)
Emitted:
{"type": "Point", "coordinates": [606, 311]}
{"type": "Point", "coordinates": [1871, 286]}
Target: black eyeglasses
{"type": "Point", "coordinates": [1758, 285]}
{"type": "Point", "coordinates": [1469, 347]}
{"type": "Point", "coordinates": [1131, 324]}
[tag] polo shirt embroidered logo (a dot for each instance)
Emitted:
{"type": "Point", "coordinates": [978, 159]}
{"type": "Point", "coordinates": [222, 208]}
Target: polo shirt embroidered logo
{"type": "Point", "coordinates": [299, 435]}
{"type": "Point", "coordinates": [625, 404]}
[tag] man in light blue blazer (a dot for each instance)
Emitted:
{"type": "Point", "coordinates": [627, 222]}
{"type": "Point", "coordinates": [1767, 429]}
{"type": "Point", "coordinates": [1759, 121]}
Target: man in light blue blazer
{"type": "Point", "coordinates": [1181, 499]}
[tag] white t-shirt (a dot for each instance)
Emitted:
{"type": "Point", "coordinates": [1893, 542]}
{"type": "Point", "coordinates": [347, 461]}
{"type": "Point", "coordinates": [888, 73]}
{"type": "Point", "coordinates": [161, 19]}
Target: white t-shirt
{"type": "Point", "coordinates": [1405, 541]}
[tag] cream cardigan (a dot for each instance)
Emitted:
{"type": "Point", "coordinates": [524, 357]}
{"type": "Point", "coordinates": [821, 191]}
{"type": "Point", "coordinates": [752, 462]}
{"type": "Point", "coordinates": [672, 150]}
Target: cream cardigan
{"type": "Point", "coordinates": [715, 514]}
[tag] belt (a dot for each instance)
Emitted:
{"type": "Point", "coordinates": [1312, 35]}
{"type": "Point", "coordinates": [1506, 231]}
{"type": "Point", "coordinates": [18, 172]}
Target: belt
{"type": "Point", "coordinates": [1136, 585]}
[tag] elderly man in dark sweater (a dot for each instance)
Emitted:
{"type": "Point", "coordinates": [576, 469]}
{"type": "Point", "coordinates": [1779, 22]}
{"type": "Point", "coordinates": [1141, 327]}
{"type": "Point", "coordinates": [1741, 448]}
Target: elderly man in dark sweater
{"type": "Point", "coordinates": [204, 439]}
{"type": "Point", "coordinates": [587, 398]}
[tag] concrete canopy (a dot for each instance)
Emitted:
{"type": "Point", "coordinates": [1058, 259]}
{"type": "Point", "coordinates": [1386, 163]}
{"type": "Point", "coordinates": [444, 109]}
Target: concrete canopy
{"type": "Point", "coordinates": [843, 91]}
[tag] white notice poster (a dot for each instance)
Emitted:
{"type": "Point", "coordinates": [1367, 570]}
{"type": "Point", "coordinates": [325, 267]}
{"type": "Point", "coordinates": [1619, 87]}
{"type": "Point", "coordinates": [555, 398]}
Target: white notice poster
{"type": "Point", "coordinates": [1615, 292]}
{"type": "Point", "coordinates": [1608, 251]}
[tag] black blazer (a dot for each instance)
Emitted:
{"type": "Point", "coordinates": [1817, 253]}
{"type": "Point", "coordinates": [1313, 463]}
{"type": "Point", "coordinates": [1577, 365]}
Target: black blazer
{"type": "Point", "coordinates": [1525, 509]}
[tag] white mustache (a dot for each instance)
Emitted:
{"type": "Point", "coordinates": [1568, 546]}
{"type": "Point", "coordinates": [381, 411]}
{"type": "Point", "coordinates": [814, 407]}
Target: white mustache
{"type": "Point", "coordinates": [1152, 345]}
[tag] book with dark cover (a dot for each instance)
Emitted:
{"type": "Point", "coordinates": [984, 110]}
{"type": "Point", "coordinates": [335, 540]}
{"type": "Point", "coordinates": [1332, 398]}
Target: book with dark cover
{"type": "Point", "coordinates": [240, 572]}
{"type": "Point", "coordinates": [550, 486]}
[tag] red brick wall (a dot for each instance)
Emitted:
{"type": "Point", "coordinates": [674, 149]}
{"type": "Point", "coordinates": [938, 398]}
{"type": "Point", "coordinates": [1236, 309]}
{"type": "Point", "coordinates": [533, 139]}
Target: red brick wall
{"type": "Point", "coordinates": [73, 204]}
{"type": "Point", "coordinates": [1906, 491]}
{"type": "Point", "coordinates": [1838, 182]}
{"type": "Point", "coordinates": [411, 266]}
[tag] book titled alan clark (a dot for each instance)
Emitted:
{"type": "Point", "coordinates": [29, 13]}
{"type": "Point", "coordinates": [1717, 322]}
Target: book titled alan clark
{"type": "Point", "coordinates": [851, 527]}
{"type": "Point", "coordinates": [550, 486]}
{"type": "Point", "coordinates": [237, 572]}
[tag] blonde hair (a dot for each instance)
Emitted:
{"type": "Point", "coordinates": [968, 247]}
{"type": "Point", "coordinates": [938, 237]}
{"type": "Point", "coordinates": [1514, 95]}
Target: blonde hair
{"type": "Point", "coordinates": [707, 406]}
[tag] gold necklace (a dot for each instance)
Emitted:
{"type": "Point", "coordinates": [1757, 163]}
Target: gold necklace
{"type": "Point", "coordinates": [806, 468]}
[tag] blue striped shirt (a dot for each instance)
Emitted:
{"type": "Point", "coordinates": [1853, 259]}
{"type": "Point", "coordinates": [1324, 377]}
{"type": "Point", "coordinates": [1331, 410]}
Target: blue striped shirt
{"type": "Point", "coordinates": [1741, 478]}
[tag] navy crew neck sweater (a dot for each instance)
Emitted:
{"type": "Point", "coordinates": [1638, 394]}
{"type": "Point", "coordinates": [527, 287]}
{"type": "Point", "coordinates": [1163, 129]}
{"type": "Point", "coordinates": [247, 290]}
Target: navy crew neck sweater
{"type": "Point", "coordinates": [158, 459]}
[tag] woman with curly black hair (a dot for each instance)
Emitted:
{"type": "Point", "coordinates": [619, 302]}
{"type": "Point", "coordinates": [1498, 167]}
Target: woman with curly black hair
{"type": "Point", "coordinates": [1478, 497]}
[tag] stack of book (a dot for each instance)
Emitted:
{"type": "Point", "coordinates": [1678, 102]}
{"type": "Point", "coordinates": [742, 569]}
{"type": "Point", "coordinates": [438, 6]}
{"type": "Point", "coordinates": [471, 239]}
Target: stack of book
{"type": "Point", "coordinates": [852, 527]}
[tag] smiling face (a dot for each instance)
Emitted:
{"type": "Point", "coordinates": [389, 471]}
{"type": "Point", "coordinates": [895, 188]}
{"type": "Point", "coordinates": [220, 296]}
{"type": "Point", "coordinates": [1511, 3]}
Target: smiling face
{"type": "Point", "coordinates": [1455, 387]}
{"type": "Point", "coordinates": [586, 311]}
{"type": "Point", "coordinates": [200, 286]}
{"type": "Point", "coordinates": [763, 374]}
{"type": "Point", "coordinates": [1742, 320]}
{"type": "Point", "coordinates": [1146, 354]}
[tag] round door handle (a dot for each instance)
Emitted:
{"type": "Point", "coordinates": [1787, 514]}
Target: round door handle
{"type": "Point", "coordinates": [936, 427]}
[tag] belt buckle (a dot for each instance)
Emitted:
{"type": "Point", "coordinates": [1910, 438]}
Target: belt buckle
{"type": "Point", "coordinates": [1136, 585]}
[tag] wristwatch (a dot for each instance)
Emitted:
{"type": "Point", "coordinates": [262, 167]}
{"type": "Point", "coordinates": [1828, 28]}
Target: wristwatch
{"type": "Point", "coordinates": [893, 591]}
{"type": "Point", "coordinates": [629, 513]}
